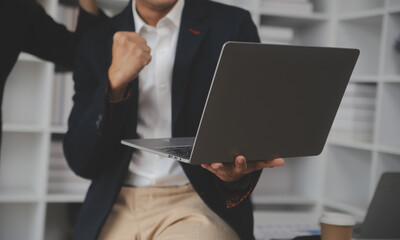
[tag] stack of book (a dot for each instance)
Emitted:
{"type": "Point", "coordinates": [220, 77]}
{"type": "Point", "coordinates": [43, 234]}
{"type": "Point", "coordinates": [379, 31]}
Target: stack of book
{"type": "Point", "coordinates": [61, 178]}
{"type": "Point", "coordinates": [288, 6]}
{"type": "Point", "coordinates": [273, 34]}
{"type": "Point", "coordinates": [355, 117]}
{"type": "Point", "coordinates": [63, 91]}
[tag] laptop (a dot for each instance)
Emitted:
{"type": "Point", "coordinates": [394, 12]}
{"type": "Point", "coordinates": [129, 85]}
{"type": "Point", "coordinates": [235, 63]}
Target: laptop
{"type": "Point", "coordinates": [383, 216]}
{"type": "Point", "coordinates": [265, 101]}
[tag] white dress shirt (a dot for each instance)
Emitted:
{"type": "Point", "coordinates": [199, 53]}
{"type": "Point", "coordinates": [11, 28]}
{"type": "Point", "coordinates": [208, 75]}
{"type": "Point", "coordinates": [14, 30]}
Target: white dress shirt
{"type": "Point", "coordinates": [155, 110]}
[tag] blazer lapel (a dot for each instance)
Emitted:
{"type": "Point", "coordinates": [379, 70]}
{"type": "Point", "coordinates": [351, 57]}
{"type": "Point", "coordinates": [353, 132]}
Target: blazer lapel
{"type": "Point", "coordinates": [191, 34]}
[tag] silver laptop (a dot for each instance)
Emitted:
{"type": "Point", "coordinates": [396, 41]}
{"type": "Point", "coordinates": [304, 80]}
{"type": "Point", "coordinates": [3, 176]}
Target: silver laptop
{"type": "Point", "coordinates": [265, 101]}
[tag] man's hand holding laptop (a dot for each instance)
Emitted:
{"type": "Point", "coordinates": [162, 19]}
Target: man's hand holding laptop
{"type": "Point", "coordinates": [230, 172]}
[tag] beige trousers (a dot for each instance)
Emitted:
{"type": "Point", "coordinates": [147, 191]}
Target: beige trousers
{"type": "Point", "coordinates": [163, 213]}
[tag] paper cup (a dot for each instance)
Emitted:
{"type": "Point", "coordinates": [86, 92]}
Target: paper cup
{"type": "Point", "coordinates": [336, 226]}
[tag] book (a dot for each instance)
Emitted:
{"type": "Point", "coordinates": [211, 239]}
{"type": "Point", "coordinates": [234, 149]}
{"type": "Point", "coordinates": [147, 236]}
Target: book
{"type": "Point", "coordinates": [288, 7]}
{"type": "Point", "coordinates": [273, 34]}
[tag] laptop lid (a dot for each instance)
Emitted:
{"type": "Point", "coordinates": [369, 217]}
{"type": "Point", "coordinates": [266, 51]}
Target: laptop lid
{"type": "Point", "coordinates": [269, 101]}
{"type": "Point", "coordinates": [383, 216]}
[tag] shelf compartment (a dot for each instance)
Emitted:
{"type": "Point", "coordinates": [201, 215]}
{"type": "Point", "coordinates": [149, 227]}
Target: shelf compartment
{"type": "Point", "coordinates": [389, 118]}
{"type": "Point", "coordinates": [391, 79]}
{"type": "Point", "coordinates": [18, 195]}
{"type": "Point", "coordinates": [65, 198]}
{"type": "Point", "coordinates": [62, 181]}
{"type": "Point", "coordinates": [348, 176]}
{"type": "Point", "coordinates": [393, 3]}
{"type": "Point", "coordinates": [60, 220]}
{"type": "Point", "coordinates": [298, 178]}
{"type": "Point", "coordinates": [20, 221]}
{"type": "Point", "coordinates": [59, 129]}
{"type": "Point", "coordinates": [355, 6]}
{"type": "Point", "coordinates": [23, 128]}
{"type": "Point", "coordinates": [349, 143]}
{"type": "Point", "coordinates": [26, 94]}
{"type": "Point", "coordinates": [363, 34]}
{"type": "Point", "coordinates": [392, 56]}
{"type": "Point", "coordinates": [22, 163]}
{"type": "Point", "coordinates": [300, 9]}
{"type": "Point", "coordinates": [355, 119]}
{"type": "Point", "coordinates": [362, 14]}
{"type": "Point", "coordinates": [389, 149]}
{"type": "Point", "coordinates": [364, 78]}
{"type": "Point", "coordinates": [307, 31]}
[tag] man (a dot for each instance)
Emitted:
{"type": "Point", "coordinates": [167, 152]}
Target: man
{"type": "Point", "coordinates": [146, 73]}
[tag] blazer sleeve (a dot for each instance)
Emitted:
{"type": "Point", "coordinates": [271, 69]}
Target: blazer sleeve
{"type": "Point", "coordinates": [238, 191]}
{"type": "Point", "coordinates": [96, 125]}
{"type": "Point", "coordinates": [51, 41]}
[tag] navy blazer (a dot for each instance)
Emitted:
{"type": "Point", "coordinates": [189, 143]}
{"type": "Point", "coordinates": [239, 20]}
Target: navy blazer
{"type": "Point", "coordinates": [96, 126]}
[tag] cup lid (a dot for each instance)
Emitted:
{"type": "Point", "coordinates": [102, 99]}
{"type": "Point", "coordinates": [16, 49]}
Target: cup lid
{"type": "Point", "coordinates": [340, 219]}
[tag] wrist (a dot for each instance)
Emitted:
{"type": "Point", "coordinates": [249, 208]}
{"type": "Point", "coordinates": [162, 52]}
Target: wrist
{"type": "Point", "coordinates": [117, 89]}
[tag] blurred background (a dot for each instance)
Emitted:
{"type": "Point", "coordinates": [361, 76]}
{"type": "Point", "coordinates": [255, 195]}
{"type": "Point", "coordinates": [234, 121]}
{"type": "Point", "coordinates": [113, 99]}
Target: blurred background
{"type": "Point", "coordinates": [40, 197]}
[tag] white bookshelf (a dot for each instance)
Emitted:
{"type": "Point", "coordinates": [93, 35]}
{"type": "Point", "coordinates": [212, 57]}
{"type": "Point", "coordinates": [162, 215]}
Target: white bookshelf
{"type": "Point", "coordinates": [37, 191]}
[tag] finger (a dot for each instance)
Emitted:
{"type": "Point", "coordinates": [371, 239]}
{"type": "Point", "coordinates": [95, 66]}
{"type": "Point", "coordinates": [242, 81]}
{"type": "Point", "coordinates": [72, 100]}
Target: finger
{"type": "Point", "coordinates": [138, 38]}
{"type": "Point", "coordinates": [146, 48]}
{"type": "Point", "coordinates": [217, 166]}
{"type": "Point", "coordinates": [209, 168]}
{"type": "Point", "coordinates": [241, 164]}
{"type": "Point", "coordinates": [270, 163]}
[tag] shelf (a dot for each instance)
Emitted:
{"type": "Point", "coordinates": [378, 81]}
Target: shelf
{"type": "Point", "coordinates": [395, 150]}
{"type": "Point", "coordinates": [363, 34]}
{"type": "Point", "coordinates": [355, 6]}
{"type": "Point", "coordinates": [60, 220]}
{"type": "Point", "coordinates": [391, 79]}
{"type": "Point", "coordinates": [26, 93]}
{"type": "Point", "coordinates": [28, 128]}
{"type": "Point", "coordinates": [284, 200]}
{"type": "Point", "coordinates": [393, 3]}
{"type": "Point", "coordinates": [392, 56]}
{"type": "Point", "coordinates": [362, 14]}
{"type": "Point", "coordinates": [65, 198]}
{"type": "Point", "coordinates": [20, 221]}
{"type": "Point", "coordinates": [307, 31]}
{"type": "Point", "coordinates": [59, 129]}
{"type": "Point", "coordinates": [389, 118]}
{"type": "Point", "coordinates": [18, 195]}
{"type": "Point", "coordinates": [356, 139]}
{"type": "Point", "coordinates": [348, 175]}
{"type": "Point", "coordinates": [296, 178]}
{"type": "Point", "coordinates": [68, 188]}
{"type": "Point", "coordinates": [349, 143]}
{"type": "Point", "coordinates": [364, 78]}
{"type": "Point", "coordinates": [386, 163]}
{"type": "Point", "coordinates": [290, 17]}
{"type": "Point", "coordinates": [359, 210]}
{"type": "Point", "coordinates": [23, 161]}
